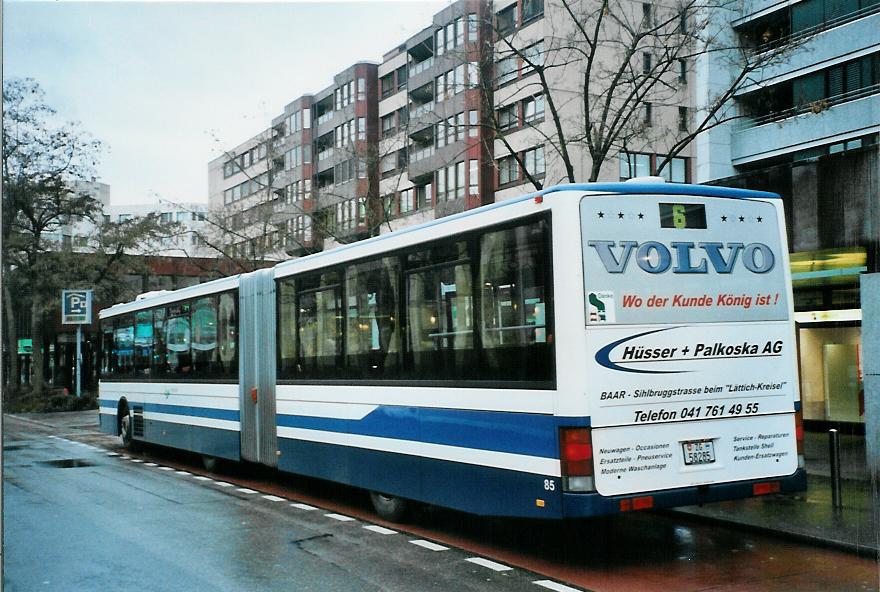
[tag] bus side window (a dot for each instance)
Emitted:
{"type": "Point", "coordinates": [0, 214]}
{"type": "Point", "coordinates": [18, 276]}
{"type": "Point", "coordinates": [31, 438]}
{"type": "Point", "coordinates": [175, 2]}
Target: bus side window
{"type": "Point", "coordinates": [227, 332]}
{"type": "Point", "coordinates": [177, 340]}
{"type": "Point", "coordinates": [143, 342]}
{"type": "Point", "coordinates": [204, 337]}
{"type": "Point", "coordinates": [287, 328]}
{"type": "Point", "coordinates": [123, 345]}
{"type": "Point", "coordinates": [372, 318]}
{"type": "Point", "coordinates": [440, 315]}
{"type": "Point", "coordinates": [514, 271]}
{"type": "Point", "coordinates": [158, 365]}
{"type": "Point", "coordinates": [319, 323]}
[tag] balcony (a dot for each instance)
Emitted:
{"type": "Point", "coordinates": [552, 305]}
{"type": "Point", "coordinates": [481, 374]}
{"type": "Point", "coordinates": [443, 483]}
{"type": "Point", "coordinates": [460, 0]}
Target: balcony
{"type": "Point", "coordinates": [794, 129]}
{"type": "Point", "coordinates": [826, 44]}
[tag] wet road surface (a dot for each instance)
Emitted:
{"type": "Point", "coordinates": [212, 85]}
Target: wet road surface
{"type": "Point", "coordinates": [115, 523]}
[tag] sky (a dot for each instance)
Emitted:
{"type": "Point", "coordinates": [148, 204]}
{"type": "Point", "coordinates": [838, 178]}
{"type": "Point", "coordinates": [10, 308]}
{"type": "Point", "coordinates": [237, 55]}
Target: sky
{"type": "Point", "coordinates": [167, 86]}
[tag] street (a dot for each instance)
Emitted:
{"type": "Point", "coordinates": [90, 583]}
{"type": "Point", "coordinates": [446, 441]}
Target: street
{"type": "Point", "coordinates": [83, 514]}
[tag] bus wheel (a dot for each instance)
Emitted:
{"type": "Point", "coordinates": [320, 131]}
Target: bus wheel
{"type": "Point", "coordinates": [125, 430]}
{"type": "Point", "coordinates": [389, 507]}
{"type": "Point", "coordinates": [211, 463]}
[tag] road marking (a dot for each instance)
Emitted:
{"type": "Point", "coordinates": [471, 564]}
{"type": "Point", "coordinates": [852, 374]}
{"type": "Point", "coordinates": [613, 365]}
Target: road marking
{"type": "Point", "coordinates": [488, 564]}
{"type": "Point", "coordinates": [340, 517]}
{"type": "Point", "coordinates": [305, 507]}
{"type": "Point", "coordinates": [555, 586]}
{"type": "Point", "coordinates": [150, 465]}
{"type": "Point", "coordinates": [201, 478]}
{"type": "Point", "coordinates": [181, 473]}
{"type": "Point", "coordinates": [224, 484]}
{"type": "Point", "coordinates": [136, 460]}
{"type": "Point", "coordinates": [112, 454]}
{"type": "Point", "coordinates": [273, 498]}
{"type": "Point", "coordinates": [245, 490]}
{"type": "Point", "coordinates": [165, 469]}
{"type": "Point", "coordinates": [380, 529]}
{"type": "Point", "coordinates": [429, 545]}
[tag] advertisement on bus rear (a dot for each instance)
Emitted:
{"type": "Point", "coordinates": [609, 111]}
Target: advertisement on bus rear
{"type": "Point", "coordinates": [679, 259]}
{"type": "Point", "coordinates": [689, 341]}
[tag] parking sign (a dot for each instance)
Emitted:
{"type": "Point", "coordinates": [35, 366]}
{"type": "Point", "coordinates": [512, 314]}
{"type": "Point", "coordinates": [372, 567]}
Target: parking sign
{"type": "Point", "coordinates": [76, 307]}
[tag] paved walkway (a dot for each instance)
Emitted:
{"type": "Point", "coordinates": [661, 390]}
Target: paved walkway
{"type": "Point", "coordinates": [810, 515]}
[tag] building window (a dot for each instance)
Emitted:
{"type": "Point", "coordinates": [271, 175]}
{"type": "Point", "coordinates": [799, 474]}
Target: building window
{"type": "Point", "coordinates": [533, 108]}
{"type": "Point", "coordinates": [473, 124]}
{"type": "Point", "coordinates": [407, 201]}
{"type": "Point", "coordinates": [647, 15]}
{"type": "Point", "coordinates": [508, 170]}
{"type": "Point", "coordinates": [682, 119]}
{"type": "Point", "coordinates": [634, 165]}
{"type": "Point", "coordinates": [388, 125]}
{"type": "Point", "coordinates": [459, 31]}
{"type": "Point", "coordinates": [362, 89]}
{"type": "Point", "coordinates": [649, 108]}
{"type": "Point", "coordinates": [473, 31]}
{"type": "Point", "coordinates": [506, 69]}
{"type": "Point", "coordinates": [533, 57]}
{"type": "Point", "coordinates": [362, 128]}
{"type": "Point", "coordinates": [534, 161]}
{"type": "Point", "coordinates": [507, 117]}
{"type": "Point", "coordinates": [532, 9]}
{"type": "Point", "coordinates": [387, 85]}
{"type": "Point", "coordinates": [682, 71]}
{"type": "Point", "coordinates": [438, 42]}
{"type": "Point", "coordinates": [646, 62]}
{"type": "Point", "coordinates": [505, 20]}
{"type": "Point", "coordinates": [473, 177]}
{"type": "Point", "coordinates": [401, 76]}
{"type": "Point", "coordinates": [675, 171]}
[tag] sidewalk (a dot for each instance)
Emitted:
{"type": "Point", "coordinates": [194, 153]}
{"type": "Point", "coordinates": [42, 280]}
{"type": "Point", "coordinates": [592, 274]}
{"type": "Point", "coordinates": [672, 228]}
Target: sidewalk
{"type": "Point", "coordinates": [809, 515]}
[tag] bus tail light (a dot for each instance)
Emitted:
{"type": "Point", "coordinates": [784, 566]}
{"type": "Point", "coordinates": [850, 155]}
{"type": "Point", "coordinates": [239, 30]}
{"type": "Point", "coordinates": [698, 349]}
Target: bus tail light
{"type": "Point", "coordinates": [576, 456]}
{"type": "Point", "coordinates": [799, 437]}
{"type": "Point", "coordinates": [766, 488]}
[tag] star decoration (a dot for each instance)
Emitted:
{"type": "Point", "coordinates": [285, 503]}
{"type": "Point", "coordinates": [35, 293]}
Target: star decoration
{"type": "Point", "coordinates": [601, 214]}
{"type": "Point", "coordinates": [742, 219]}
{"type": "Point", "coordinates": [760, 219]}
{"type": "Point", "coordinates": [620, 215]}
{"type": "Point", "coordinates": [724, 218]}
{"type": "Point", "coordinates": [641, 216]}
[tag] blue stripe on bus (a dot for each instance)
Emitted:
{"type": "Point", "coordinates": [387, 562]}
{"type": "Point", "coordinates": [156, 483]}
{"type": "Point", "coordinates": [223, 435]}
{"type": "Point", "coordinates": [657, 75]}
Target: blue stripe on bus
{"type": "Point", "coordinates": [516, 433]}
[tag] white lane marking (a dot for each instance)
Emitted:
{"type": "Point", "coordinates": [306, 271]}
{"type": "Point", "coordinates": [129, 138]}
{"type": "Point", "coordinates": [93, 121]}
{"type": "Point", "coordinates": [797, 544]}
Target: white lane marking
{"type": "Point", "coordinates": [137, 460]}
{"type": "Point", "coordinates": [555, 586]}
{"type": "Point", "coordinates": [150, 465]}
{"type": "Point", "coordinates": [380, 529]}
{"type": "Point", "coordinates": [245, 490]}
{"type": "Point", "coordinates": [112, 454]}
{"type": "Point", "coordinates": [224, 484]}
{"type": "Point", "coordinates": [181, 473]}
{"type": "Point", "coordinates": [165, 469]}
{"type": "Point", "coordinates": [305, 507]}
{"type": "Point", "coordinates": [429, 545]}
{"type": "Point", "coordinates": [273, 498]}
{"type": "Point", "coordinates": [201, 478]}
{"type": "Point", "coordinates": [488, 564]}
{"type": "Point", "coordinates": [340, 517]}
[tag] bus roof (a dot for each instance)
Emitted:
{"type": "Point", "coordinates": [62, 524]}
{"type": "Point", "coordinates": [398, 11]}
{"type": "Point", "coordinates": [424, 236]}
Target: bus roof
{"type": "Point", "coordinates": [662, 189]}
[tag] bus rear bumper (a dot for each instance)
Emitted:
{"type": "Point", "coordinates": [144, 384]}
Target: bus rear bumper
{"type": "Point", "coordinates": [584, 505]}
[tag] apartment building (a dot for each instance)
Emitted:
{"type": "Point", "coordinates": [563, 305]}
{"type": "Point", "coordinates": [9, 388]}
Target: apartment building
{"type": "Point", "coordinates": [807, 129]}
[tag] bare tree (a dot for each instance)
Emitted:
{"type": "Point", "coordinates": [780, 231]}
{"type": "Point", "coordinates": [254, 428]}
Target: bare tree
{"type": "Point", "coordinates": [616, 77]}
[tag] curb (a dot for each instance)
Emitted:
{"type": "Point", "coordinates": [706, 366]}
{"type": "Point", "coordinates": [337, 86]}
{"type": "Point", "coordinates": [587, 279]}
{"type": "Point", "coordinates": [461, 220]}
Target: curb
{"type": "Point", "coordinates": [801, 537]}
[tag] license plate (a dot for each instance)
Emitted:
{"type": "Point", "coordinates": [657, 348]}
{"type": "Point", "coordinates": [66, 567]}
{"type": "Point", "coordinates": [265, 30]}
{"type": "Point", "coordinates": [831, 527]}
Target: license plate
{"type": "Point", "coordinates": [698, 452]}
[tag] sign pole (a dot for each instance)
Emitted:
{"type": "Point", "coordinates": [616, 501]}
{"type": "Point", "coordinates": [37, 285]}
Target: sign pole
{"type": "Point", "coordinates": [78, 359]}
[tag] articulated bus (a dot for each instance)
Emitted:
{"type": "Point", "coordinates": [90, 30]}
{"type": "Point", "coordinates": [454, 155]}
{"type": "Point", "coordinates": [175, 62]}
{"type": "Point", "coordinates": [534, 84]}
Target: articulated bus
{"type": "Point", "coordinates": [588, 349]}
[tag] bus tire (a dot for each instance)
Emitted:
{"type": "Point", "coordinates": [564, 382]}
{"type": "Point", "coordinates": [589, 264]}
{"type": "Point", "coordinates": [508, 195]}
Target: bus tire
{"type": "Point", "coordinates": [211, 463]}
{"type": "Point", "coordinates": [126, 428]}
{"type": "Point", "coordinates": [389, 507]}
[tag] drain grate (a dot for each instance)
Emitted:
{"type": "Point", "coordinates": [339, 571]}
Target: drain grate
{"type": "Point", "coordinates": [67, 463]}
